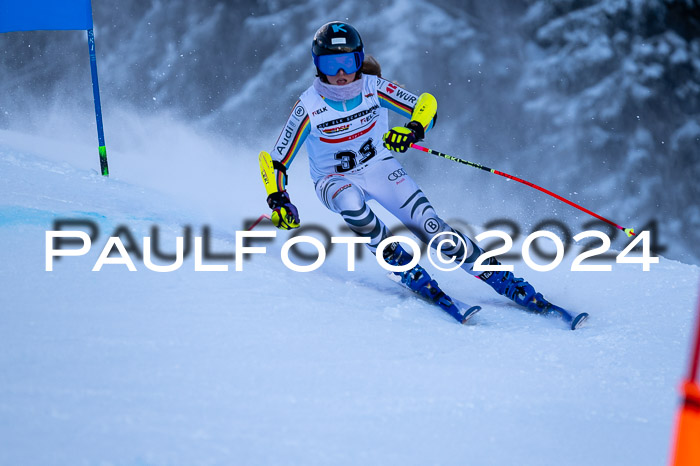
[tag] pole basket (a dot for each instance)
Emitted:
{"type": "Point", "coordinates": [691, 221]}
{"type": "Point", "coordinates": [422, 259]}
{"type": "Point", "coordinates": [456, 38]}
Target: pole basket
{"type": "Point", "coordinates": [686, 451]}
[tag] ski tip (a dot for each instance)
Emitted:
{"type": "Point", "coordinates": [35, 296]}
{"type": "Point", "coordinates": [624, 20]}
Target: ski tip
{"type": "Point", "coordinates": [579, 320]}
{"type": "Point", "coordinates": [469, 313]}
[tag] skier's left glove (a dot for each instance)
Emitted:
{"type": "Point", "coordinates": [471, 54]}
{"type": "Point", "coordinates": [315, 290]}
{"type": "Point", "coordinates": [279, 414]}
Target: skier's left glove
{"type": "Point", "coordinates": [285, 215]}
{"type": "Point", "coordinates": [400, 138]}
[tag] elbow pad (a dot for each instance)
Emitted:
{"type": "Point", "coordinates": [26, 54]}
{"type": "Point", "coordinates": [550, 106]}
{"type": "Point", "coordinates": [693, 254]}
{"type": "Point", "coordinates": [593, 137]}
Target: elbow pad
{"type": "Point", "coordinates": [425, 110]}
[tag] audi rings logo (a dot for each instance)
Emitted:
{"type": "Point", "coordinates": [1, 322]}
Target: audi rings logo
{"type": "Point", "coordinates": [395, 175]}
{"type": "Point", "coordinates": [431, 225]}
{"type": "Point", "coordinates": [449, 243]}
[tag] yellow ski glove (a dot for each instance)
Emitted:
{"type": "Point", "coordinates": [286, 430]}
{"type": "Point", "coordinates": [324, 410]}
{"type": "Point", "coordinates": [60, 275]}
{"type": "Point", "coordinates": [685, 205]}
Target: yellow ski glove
{"type": "Point", "coordinates": [399, 139]}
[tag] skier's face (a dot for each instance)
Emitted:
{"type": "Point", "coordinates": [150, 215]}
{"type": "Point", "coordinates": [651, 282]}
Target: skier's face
{"type": "Point", "coordinates": [341, 78]}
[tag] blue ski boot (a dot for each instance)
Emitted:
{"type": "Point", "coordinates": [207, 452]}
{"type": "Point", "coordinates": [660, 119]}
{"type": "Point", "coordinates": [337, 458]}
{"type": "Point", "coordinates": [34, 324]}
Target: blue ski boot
{"type": "Point", "coordinates": [419, 281]}
{"type": "Point", "coordinates": [514, 288]}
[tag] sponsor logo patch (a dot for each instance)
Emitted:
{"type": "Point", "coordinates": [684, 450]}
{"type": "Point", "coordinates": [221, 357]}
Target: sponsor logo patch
{"type": "Point", "coordinates": [431, 225]}
{"type": "Point", "coordinates": [337, 129]}
{"type": "Point", "coordinates": [350, 118]}
{"type": "Point", "coordinates": [335, 194]}
{"type": "Point", "coordinates": [405, 96]}
{"type": "Point", "coordinates": [395, 175]}
{"type": "Point", "coordinates": [286, 137]}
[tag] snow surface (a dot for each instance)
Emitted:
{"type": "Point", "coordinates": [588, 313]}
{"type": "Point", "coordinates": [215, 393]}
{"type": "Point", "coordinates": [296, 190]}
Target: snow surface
{"type": "Point", "coordinates": [270, 366]}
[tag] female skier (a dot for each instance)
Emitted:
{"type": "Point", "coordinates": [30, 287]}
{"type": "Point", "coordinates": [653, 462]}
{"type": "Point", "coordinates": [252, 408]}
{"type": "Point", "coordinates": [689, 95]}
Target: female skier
{"type": "Point", "coordinates": [342, 119]}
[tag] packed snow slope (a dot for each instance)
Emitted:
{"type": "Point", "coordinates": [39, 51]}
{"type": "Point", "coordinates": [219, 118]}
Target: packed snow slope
{"type": "Point", "coordinates": [271, 366]}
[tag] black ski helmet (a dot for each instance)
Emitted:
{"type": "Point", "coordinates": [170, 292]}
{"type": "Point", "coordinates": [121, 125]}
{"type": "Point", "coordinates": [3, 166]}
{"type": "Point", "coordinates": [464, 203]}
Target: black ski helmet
{"type": "Point", "coordinates": [334, 38]}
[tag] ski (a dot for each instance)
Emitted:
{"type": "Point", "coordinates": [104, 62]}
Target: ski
{"type": "Point", "coordinates": [575, 322]}
{"type": "Point", "coordinates": [546, 307]}
{"type": "Point", "coordinates": [459, 310]}
{"type": "Point", "coordinates": [465, 311]}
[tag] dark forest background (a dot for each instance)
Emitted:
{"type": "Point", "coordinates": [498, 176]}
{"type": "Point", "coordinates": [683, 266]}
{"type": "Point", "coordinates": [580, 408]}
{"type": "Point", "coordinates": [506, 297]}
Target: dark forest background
{"type": "Point", "coordinates": [598, 101]}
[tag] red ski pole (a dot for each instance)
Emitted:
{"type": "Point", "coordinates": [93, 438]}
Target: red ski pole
{"type": "Point", "coordinates": [628, 231]}
{"type": "Point", "coordinates": [260, 219]}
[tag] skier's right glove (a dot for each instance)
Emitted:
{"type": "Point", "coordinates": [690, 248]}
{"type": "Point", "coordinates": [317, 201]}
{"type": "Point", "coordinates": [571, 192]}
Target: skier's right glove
{"type": "Point", "coordinates": [285, 215]}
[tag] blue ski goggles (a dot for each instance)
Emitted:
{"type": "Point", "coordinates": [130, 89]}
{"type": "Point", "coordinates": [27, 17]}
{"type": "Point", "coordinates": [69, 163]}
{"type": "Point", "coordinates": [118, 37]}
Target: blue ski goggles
{"type": "Point", "coordinates": [331, 64]}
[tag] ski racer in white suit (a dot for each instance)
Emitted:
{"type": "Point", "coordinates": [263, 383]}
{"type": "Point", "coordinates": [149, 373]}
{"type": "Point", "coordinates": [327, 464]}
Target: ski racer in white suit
{"type": "Point", "coordinates": [343, 119]}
